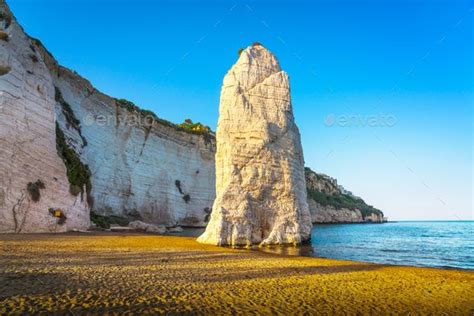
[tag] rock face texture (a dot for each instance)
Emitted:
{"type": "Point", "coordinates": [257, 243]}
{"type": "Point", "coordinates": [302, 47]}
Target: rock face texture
{"type": "Point", "coordinates": [330, 203]}
{"type": "Point", "coordinates": [141, 167]}
{"type": "Point", "coordinates": [32, 176]}
{"type": "Point", "coordinates": [260, 184]}
{"type": "Point", "coordinates": [330, 214]}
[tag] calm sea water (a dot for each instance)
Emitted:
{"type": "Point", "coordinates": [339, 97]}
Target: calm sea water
{"type": "Point", "coordinates": [447, 244]}
{"type": "Point", "coordinates": [434, 244]}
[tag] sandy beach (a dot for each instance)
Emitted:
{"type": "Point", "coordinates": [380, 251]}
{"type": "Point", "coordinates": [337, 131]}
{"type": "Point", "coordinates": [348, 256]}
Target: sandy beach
{"type": "Point", "coordinates": [105, 272]}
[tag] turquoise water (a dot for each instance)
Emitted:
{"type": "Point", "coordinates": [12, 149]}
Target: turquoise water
{"type": "Point", "coordinates": [447, 244]}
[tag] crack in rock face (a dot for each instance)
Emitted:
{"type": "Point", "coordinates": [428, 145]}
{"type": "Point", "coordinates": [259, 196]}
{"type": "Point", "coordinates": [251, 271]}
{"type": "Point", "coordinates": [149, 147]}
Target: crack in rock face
{"type": "Point", "coordinates": [261, 189]}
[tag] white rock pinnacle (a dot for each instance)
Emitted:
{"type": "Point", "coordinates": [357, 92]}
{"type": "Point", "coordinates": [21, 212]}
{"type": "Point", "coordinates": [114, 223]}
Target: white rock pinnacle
{"type": "Point", "coordinates": [261, 190]}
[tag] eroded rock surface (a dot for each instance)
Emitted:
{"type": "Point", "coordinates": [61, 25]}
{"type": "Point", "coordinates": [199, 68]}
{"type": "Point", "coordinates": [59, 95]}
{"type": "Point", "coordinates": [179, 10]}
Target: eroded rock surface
{"type": "Point", "coordinates": [33, 182]}
{"type": "Point", "coordinates": [156, 174]}
{"type": "Point", "coordinates": [330, 202]}
{"type": "Point", "coordinates": [140, 167]}
{"type": "Point", "coordinates": [261, 192]}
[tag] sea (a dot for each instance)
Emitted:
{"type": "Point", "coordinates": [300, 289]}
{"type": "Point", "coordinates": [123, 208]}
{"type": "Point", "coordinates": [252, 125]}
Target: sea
{"type": "Point", "coordinates": [440, 244]}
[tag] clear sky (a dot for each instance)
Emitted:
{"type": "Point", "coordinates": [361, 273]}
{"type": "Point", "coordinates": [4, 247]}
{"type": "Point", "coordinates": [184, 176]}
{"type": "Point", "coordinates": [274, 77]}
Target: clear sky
{"type": "Point", "coordinates": [382, 90]}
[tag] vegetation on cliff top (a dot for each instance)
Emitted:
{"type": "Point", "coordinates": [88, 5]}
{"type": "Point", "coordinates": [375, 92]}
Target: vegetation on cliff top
{"type": "Point", "coordinates": [38, 43]}
{"type": "Point", "coordinates": [198, 128]}
{"type": "Point", "coordinates": [340, 200]}
{"type": "Point", "coordinates": [188, 126]}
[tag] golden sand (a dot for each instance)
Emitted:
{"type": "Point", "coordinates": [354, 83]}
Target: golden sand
{"type": "Point", "coordinates": [72, 273]}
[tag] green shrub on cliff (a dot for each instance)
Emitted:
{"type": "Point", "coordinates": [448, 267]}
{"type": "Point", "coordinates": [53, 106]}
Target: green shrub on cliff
{"type": "Point", "coordinates": [38, 43]}
{"type": "Point", "coordinates": [187, 126]}
{"type": "Point", "coordinates": [131, 107]}
{"type": "Point", "coordinates": [77, 172]}
{"type": "Point", "coordinates": [68, 113]}
{"type": "Point", "coordinates": [71, 118]}
{"type": "Point", "coordinates": [197, 128]}
{"type": "Point", "coordinates": [105, 221]}
{"type": "Point", "coordinates": [339, 201]}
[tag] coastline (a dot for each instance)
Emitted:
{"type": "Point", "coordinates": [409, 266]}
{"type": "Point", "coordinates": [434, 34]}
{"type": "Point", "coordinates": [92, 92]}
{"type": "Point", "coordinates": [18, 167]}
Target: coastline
{"type": "Point", "coordinates": [344, 222]}
{"type": "Point", "coordinates": [116, 272]}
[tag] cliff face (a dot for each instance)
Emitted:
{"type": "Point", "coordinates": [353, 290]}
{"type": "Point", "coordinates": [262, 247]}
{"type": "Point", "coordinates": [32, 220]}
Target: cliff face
{"type": "Point", "coordinates": [105, 155]}
{"type": "Point", "coordinates": [34, 188]}
{"type": "Point", "coordinates": [67, 149]}
{"type": "Point", "coordinates": [142, 168]}
{"type": "Point", "coordinates": [331, 203]}
{"type": "Point", "coordinates": [261, 192]}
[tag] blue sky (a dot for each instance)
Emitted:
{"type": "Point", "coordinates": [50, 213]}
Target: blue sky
{"type": "Point", "coordinates": [382, 90]}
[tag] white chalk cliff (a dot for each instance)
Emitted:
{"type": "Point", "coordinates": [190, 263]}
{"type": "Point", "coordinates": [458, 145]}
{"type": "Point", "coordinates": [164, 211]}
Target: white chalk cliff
{"type": "Point", "coordinates": [141, 167]}
{"type": "Point", "coordinates": [157, 173]}
{"type": "Point", "coordinates": [32, 175]}
{"type": "Point", "coordinates": [260, 183]}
